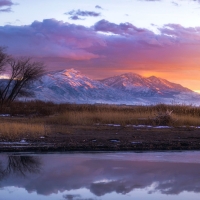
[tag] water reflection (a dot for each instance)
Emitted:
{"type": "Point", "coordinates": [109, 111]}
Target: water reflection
{"type": "Point", "coordinates": [21, 165]}
{"type": "Point", "coordinates": [103, 174]}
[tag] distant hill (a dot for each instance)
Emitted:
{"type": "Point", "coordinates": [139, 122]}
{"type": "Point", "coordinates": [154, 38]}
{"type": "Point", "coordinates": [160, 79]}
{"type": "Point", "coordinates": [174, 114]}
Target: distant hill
{"type": "Point", "coordinates": [130, 88]}
{"type": "Point", "coordinates": [142, 86]}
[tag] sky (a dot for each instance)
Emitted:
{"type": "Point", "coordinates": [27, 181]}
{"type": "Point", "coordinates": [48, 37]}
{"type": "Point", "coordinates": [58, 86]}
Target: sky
{"type": "Point", "coordinates": [103, 38]}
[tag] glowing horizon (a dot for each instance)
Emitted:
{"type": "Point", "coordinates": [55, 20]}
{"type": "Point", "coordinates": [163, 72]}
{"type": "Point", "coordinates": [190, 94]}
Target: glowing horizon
{"type": "Point", "coordinates": [107, 38]}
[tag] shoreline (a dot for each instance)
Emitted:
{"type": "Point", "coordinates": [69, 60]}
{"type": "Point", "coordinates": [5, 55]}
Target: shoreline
{"type": "Point", "coordinates": [106, 138]}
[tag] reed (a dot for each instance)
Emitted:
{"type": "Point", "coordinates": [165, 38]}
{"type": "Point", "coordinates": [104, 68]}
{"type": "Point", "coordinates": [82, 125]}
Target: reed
{"type": "Point", "coordinates": [40, 118]}
{"type": "Point", "coordinates": [14, 130]}
{"type": "Point", "coordinates": [91, 118]}
{"type": "Point", "coordinates": [39, 108]}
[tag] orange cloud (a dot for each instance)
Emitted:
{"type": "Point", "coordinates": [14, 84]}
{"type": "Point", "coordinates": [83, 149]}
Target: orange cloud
{"type": "Point", "coordinates": [107, 49]}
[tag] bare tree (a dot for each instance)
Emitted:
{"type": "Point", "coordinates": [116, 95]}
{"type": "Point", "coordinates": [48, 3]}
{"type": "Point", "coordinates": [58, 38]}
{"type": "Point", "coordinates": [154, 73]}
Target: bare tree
{"type": "Point", "coordinates": [21, 165]}
{"type": "Point", "coordinates": [22, 72]}
{"type": "Point", "coordinates": [3, 59]}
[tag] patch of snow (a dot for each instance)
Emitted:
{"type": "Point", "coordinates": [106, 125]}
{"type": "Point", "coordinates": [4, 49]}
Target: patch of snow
{"type": "Point", "coordinates": [136, 142]}
{"type": "Point", "coordinates": [112, 125]}
{"type": "Point", "coordinates": [140, 126]}
{"type": "Point", "coordinates": [162, 127]}
{"type": "Point", "coordinates": [14, 143]}
{"type": "Point", "coordinates": [148, 126]}
{"type": "Point", "coordinates": [4, 115]}
{"type": "Point", "coordinates": [189, 126]}
{"type": "Point", "coordinates": [22, 146]}
{"type": "Point", "coordinates": [15, 146]}
{"type": "Point", "coordinates": [7, 143]}
{"type": "Point", "coordinates": [114, 141]}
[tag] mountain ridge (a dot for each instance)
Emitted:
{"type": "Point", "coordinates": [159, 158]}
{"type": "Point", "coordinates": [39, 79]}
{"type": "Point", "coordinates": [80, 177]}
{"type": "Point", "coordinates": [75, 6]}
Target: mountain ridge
{"type": "Point", "coordinates": [71, 86]}
{"type": "Point", "coordinates": [147, 80]}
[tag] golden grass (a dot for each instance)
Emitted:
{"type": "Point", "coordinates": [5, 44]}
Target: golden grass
{"type": "Point", "coordinates": [101, 117]}
{"type": "Point", "coordinates": [185, 120]}
{"type": "Point", "coordinates": [122, 117]}
{"type": "Point", "coordinates": [39, 108]}
{"type": "Point", "coordinates": [41, 118]}
{"type": "Point", "coordinates": [13, 130]}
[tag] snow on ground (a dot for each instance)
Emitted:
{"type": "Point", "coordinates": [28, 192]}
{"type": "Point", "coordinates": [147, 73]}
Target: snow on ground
{"type": "Point", "coordinates": [146, 126]}
{"type": "Point", "coordinates": [4, 115]}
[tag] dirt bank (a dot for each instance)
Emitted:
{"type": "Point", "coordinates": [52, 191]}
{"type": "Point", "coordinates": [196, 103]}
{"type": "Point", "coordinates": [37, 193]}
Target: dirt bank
{"type": "Point", "coordinates": [109, 138]}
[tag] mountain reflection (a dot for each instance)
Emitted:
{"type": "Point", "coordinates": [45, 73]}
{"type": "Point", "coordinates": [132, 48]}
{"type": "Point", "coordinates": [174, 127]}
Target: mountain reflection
{"type": "Point", "coordinates": [103, 173]}
{"type": "Point", "coordinates": [20, 165]}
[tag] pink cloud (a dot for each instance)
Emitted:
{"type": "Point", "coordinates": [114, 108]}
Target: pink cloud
{"type": "Point", "coordinates": [49, 38]}
{"type": "Point", "coordinates": [91, 49]}
{"type": "Point", "coordinates": [122, 29]}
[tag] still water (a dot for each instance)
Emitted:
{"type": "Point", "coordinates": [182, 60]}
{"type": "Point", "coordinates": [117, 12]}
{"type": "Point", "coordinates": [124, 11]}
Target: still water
{"type": "Point", "coordinates": [94, 176]}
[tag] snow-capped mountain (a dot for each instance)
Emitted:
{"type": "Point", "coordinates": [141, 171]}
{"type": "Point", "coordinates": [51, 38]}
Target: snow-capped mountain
{"type": "Point", "coordinates": [141, 86]}
{"type": "Point", "coordinates": [71, 86]}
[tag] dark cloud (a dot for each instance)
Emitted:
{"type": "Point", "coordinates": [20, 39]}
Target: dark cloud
{"type": "Point", "coordinates": [75, 17]}
{"type": "Point", "coordinates": [98, 7]}
{"type": "Point", "coordinates": [175, 4]}
{"type": "Point", "coordinates": [83, 13]}
{"type": "Point", "coordinates": [122, 28]}
{"type": "Point", "coordinates": [5, 5]}
{"type": "Point", "coordinates": [75, 197]}
{"type": "Point", "coordinates": [71, 196]}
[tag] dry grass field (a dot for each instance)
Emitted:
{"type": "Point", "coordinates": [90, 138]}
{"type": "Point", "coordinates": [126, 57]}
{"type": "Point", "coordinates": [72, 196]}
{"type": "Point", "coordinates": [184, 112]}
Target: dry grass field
{"type": "Point", "coordinates": [40, 118]}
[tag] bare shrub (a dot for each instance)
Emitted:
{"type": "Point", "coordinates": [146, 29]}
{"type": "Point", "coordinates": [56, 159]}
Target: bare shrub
{"type": "Point", "coordinates": [163, 118]}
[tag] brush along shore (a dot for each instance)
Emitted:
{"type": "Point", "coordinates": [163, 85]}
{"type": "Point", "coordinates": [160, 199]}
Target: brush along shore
{"type": "Point", "coordinates": [48, 127]}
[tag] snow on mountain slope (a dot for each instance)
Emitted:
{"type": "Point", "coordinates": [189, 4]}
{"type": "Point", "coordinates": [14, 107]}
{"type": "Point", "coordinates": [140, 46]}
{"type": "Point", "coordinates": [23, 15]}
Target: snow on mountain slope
{"type": "Point", "coordinates": [141, 86]}
{"type": "Point", "coordinates": [71, 86]}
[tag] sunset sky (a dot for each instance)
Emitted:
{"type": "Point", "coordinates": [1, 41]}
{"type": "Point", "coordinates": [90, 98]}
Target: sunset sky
{"type": "Point", "coordinates": [102, 38]}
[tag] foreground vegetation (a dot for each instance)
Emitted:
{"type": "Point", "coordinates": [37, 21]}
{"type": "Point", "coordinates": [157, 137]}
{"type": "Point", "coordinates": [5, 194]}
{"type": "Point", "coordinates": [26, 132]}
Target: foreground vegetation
{"type": "Point", "coordinates": [38, 118]}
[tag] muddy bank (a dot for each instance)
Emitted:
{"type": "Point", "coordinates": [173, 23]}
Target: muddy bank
{"type": "Point", "coordinates": [108, 138]}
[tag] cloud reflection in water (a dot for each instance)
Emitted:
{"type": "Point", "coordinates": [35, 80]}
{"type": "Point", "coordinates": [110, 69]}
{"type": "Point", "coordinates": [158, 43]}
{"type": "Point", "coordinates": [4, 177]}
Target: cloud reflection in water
{"type": "Point", "coordinates": [106, 173]}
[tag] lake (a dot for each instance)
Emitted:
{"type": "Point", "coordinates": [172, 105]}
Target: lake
{"type": "Point", "coordinates": [94, 176]}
